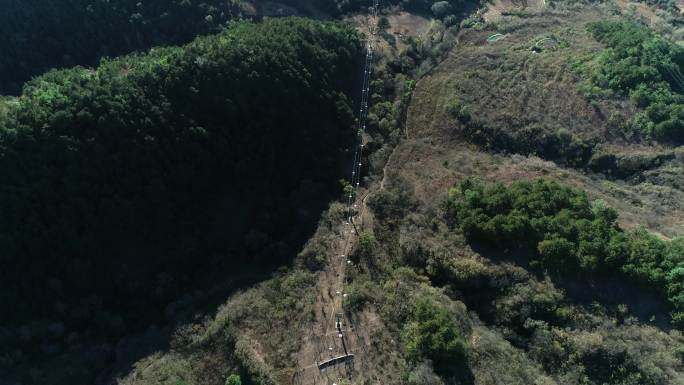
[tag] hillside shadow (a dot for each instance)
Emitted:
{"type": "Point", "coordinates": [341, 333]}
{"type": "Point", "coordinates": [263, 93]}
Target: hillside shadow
{"type": "Point", "coordinates": [609, 291]}
{"type": "Point", "coordinates": [644, 304]}
{"type": "Point", "coordinates": [191, 308]}
{"type": "Point", "coordinates": [224, 277]}
{"type": "Point", "coordinates": [459, 374]}
{"type": "Point", "coordinates": [99, 358]}
{"type": "Point", "coordinates": [518, 257]}
{"type": "Point", "coordinates": [90, 358]}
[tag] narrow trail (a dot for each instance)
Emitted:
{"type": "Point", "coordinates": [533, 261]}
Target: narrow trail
{"type": "Point", "coordinates": [324, 342]}
{"type": "Point", "coordinates": [335, 349]}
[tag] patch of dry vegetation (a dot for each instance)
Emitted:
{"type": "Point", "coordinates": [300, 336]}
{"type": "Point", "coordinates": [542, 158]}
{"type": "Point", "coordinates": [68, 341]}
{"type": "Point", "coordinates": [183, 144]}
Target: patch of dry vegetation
{"type": "Point", "coordinates": [521, 327]}
{"type": "Point", "coordinates": [505, 97]}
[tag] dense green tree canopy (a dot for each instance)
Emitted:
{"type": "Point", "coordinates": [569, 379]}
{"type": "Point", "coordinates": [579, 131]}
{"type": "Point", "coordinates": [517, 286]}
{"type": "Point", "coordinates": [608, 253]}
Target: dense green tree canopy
{"type": "Point", "coordinates": [43, 34]}
{"type": "Point", "coordinates": [647, 67]}
{"type": "Point", "coordinates": [154, 163]}
{"type": "Point", "coordinates": [563, 231]}
{"type": "Point", "coordinates": [432, 333]}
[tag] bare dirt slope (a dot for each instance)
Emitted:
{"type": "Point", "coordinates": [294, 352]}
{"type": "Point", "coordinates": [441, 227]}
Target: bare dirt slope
{"type": "Point", "coordinates": [496, 8]}
{"type": "Point", "coordinates": [332, 333]}
{"type": "Point", "coordinates": [402, 26]}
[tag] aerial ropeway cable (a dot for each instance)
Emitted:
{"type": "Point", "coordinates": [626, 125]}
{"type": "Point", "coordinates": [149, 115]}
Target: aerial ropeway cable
{"type": "Point", "coordinates": [357, 167]}
{"type": "Point", "coordinates": [363, 111]}
{"type": "Point", "coordinates": [337, 308]}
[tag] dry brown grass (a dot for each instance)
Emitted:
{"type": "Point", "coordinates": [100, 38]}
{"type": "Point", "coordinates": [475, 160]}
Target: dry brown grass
{"type": "Point", "coordinates": [433, 166]}
{"type": "Point", "coordinates": [403, 25]}
{"type": "Point", "coordinates": [507, 84]}
{"type": "Point", "coordinates": [648, 13]}
{"type": "Point", "coordinates": [497, 7]}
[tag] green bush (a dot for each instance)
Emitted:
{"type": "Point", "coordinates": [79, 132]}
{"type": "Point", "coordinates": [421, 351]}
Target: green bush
{"type": "Point", "coordinates": [562, 231]}
{"type": "Point", "coordinates": [423, 374]}
{"type": "Point", "coordinates": [612, 364]}
{"type": "Point", "coordinates": [383, 24]}
{"type": "Point", "coordinates": [559, 222]}
{"type": "Point", "coordinates": [361, 291]}
{"type": "Point", "coordinates": [233, 379]}
{"type": "Point", "coordinates": [433, 334]}
{"type": "Point", "coordinates": [675, 291]}
{"type": "Point", "coordinates": [441, 9]}
{"type": "Point", "coordinates": [257, 371]}
{"type": "Point", "coordinates": [647, 67]}
{"type": "Point", "coordinates": [367, 245]}
{"type": "Point", "coordinates": [458, 110]}
{"type": "Point", "coordinates": [393, 203]}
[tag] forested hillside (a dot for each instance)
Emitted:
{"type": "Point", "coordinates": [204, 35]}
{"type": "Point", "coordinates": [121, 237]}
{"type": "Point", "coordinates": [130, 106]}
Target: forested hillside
{"type": "Point", "coordinates": [179, 215]}
{"type": "Point", "coordinates": [39, 35]}
{"type": "Point", "coordinates": [42, 34]}
{"type": "Point", "coordinates": [126, 185]}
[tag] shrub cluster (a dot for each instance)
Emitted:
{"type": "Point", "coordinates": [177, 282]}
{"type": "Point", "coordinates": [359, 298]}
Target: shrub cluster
{"type": "Point", "coordinates": [530, 323]}
{"type": "Point", "coordinates": [647, 67]}
{"type": "Point", "coordinates": [565, 232]}
{"type": "Point", "coordinates": [536, 316]}
{"type": "Point", "coordinates": [433, 334]}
